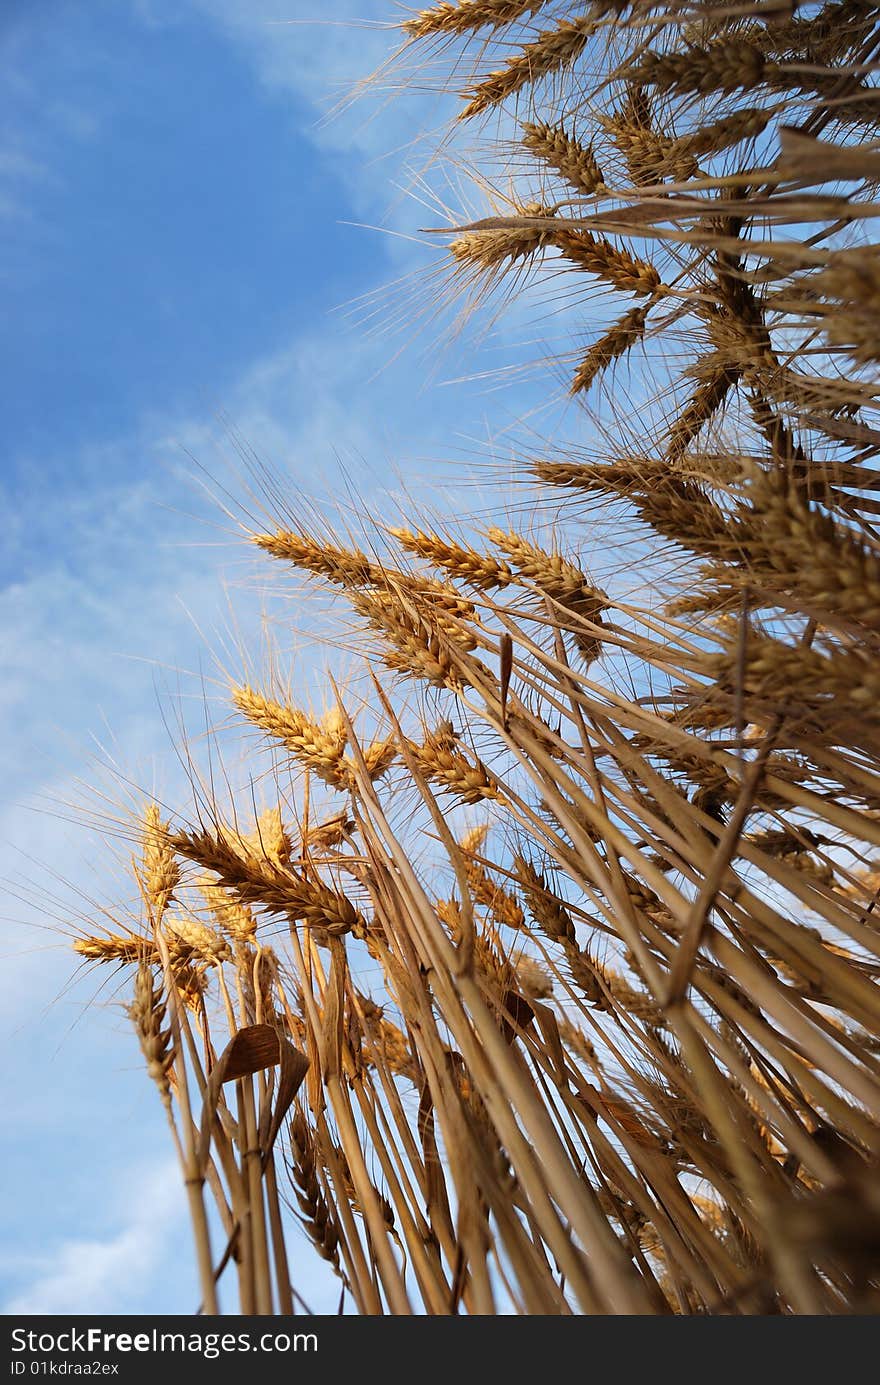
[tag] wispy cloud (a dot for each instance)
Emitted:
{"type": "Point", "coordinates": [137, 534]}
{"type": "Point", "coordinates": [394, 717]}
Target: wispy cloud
{"type": "Point", "coordinates": [337, 70]}
{"type": "Point", "coordinates": [318, 58]}
{"type": "Point", "coordinates": [116, 1273]}
{"type": "Point", "coordinates": [19, 172]}
{"type": "Point", "coordinates": [37, 123]}
{"type": "Point", "coordinates": [15, 163]}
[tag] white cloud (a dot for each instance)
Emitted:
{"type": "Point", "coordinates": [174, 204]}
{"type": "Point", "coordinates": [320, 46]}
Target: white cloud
{"type": "Point", "coordinates": [19, 171]}
{"type": "Point", "coordinates": [76, 122]}
{"type": "Point", "coordinates": [317, 59]}
{"type": "Point", "coordinates": [117, 1273]}
{"type": "Point", "coordinates": [15, 163]}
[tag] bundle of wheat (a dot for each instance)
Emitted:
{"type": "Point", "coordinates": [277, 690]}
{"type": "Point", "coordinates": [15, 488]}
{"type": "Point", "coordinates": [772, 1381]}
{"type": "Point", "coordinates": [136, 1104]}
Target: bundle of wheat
{"type": "Point", "coordinates": [616, 1049]}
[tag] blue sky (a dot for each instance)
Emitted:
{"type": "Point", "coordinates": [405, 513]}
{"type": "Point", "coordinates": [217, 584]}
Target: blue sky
{"type": "Point", "coordinates": [182, 229]}
{"type": "Point", "coordinates": [177, 243]}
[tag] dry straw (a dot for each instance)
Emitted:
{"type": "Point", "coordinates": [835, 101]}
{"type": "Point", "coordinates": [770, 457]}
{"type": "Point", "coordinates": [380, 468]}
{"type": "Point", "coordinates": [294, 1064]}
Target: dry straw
{"type": "Point", "coordinates": [615, 1049]}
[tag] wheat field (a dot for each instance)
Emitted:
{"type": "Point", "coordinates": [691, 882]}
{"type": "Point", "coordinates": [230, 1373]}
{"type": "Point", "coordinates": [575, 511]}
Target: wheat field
{"type": "Point", "coordinates": [544, 979]}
